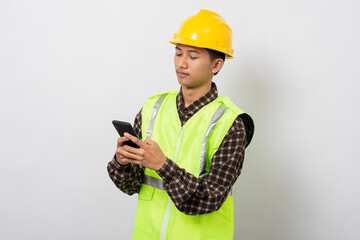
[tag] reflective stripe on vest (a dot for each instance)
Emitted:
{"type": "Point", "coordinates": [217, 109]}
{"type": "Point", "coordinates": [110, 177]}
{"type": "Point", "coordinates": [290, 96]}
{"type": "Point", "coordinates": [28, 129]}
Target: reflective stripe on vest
{"type": "Point", "coordinates": [215, 118]}
{"type": "Point", "coordinates": [154, 182]}
{"type": "Point", "coordinates": [153, 116]}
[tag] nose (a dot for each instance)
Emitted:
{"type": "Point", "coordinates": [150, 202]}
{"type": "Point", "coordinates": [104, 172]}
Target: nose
{"type": "Point", "coordinates": [183, 62]}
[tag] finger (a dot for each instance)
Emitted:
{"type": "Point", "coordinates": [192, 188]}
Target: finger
{"type": "Point", "coordinates": [134, 139]}
{"type": "Point", "coordinates": [119, 151]}
{"type": "Point", "coordinates": [119, 157]}
{"type": "Point", "coordinates": [121, 140]}
{"type": "Point", "coordinates": [122, 160]}
{"type": "Point", "coordinates": [136, 151]}
{"type": "Point", "coordinates": [130, 155]}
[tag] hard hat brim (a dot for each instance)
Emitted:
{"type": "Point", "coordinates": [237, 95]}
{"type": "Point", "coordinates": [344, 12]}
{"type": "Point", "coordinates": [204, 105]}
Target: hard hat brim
{"type": "Point", "coordinates": [199, 45]}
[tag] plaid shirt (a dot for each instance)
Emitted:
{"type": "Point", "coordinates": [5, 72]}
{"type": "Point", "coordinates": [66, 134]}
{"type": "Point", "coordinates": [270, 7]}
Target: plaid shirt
{"type": "Point", "coordinates": [191, 195]}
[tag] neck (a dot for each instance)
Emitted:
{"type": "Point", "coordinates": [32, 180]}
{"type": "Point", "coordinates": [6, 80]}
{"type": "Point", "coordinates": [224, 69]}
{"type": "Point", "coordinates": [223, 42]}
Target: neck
{"type": "Point", "coordinates": [190, 95]}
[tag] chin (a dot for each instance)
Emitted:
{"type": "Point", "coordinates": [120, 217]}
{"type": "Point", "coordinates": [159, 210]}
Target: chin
{"type": "Point", "coordinates": [182, 82]}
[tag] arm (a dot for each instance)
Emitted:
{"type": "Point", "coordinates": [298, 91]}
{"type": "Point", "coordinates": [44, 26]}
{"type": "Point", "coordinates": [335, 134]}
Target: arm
{"type": "Point", "coordinates": [195, 196]}
{"type": "Point", "coordinates": [191, 195]}
{"type": "Point", "coordinates": [128, 177]}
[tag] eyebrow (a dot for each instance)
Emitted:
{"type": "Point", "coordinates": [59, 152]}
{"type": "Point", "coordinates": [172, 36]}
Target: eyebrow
{"type": "Point", "coordinates": [191, 50]}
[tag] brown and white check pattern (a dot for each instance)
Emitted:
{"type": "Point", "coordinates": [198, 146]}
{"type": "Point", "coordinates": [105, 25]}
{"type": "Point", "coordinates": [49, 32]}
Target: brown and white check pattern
{"type": "Point", "coordinates": [191, 195]}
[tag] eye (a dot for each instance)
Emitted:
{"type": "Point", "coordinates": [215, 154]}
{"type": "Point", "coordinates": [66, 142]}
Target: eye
{"type": "Point", "coordinates": [178, 54]}
{"type": "Point", "coordinates": [193, 57]}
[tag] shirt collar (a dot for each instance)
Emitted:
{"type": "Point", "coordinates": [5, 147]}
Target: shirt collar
{"type": "Point", "coordinates": [199, 103]}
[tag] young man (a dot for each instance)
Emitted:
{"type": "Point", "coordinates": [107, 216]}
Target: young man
{"type": "Point", "coordinates": [192, 147]}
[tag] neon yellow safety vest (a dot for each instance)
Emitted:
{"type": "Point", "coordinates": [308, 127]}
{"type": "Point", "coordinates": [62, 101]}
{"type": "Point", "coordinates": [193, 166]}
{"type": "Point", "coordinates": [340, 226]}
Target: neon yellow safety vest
{"type": "Point", "coordinates": [191, 146]}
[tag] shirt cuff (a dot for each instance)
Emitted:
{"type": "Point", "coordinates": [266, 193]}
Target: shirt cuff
{"type": "Point", "coordinates": [168, 171]}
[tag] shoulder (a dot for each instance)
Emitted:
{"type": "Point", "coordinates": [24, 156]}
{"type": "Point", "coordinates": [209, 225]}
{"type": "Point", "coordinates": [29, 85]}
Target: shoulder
{"type": "Point", "coordinates": [160, 95]}
{"type": "Point", "coordinates": [157, 100]}
{"type": "Point", "coordinates": [238, 125]}
{"type": "Point", "coordinates": [230, 105]}
{"type": "Point", "coordinates": [154, 102]}
{"type": "Point", "coordinates": [243, 122]}
{"type": "Point", "coordinates": [237, 128]}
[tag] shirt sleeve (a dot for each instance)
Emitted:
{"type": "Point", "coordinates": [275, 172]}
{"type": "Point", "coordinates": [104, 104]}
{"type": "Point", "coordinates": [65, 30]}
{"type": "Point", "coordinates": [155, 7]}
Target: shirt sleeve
{"type": "Point", "coordinates": [128, 178]}
{"type": "Point", "coordinates": [195, 196]}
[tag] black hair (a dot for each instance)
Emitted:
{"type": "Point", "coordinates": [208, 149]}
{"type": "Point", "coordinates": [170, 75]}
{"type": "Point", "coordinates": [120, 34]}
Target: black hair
{"type": "Point", "coordinates": [215, 55]}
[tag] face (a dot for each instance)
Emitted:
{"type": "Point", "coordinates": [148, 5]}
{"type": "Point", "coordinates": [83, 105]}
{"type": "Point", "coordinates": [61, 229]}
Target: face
{"type": "Point", "coordinates": [193, 66]}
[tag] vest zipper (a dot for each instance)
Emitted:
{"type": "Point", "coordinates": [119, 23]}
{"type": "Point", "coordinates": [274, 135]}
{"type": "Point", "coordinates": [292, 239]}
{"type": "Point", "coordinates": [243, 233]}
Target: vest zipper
{"type": "Point", "coordinates": [166, 218]}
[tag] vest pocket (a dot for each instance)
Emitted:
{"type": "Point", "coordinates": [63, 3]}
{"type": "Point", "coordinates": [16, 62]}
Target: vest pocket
{"type": "Point", "coordinates": [146, 192]}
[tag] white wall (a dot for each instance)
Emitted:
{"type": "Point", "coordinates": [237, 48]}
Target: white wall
{"type": "Point", "coordinates": [68, 68]}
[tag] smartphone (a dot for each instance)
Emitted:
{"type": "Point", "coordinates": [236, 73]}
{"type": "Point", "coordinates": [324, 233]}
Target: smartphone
{"type": "Point", "coordinates": [123, 127]}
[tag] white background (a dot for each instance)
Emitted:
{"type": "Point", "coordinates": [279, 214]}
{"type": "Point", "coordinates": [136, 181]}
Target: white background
{"type": "Point", "coordinates": [68, 68]}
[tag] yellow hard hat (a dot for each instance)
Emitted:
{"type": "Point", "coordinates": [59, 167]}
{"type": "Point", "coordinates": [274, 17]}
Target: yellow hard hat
{"type": "Point", "coordinates": [205, 30]}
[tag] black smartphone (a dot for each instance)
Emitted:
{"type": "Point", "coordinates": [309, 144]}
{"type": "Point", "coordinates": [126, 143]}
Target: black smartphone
{"type": "Point", "coordinates": [123, 127]}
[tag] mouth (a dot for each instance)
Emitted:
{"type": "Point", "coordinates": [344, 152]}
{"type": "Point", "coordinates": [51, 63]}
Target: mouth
{"type": "Point", "coordinates": [182, 74]}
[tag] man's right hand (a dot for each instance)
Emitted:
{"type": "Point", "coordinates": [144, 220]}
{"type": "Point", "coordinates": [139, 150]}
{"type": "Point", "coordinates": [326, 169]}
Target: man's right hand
{"type": "Point", "coordinates": [120, 145]}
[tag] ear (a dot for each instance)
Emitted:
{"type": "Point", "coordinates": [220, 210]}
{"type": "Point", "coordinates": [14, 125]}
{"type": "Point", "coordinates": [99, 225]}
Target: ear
{"type": "Point", "coordinates": [217, 65]}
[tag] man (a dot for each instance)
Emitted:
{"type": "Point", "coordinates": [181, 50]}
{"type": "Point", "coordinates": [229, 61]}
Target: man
{"type": "Point", "coordinates": [192, 146]}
